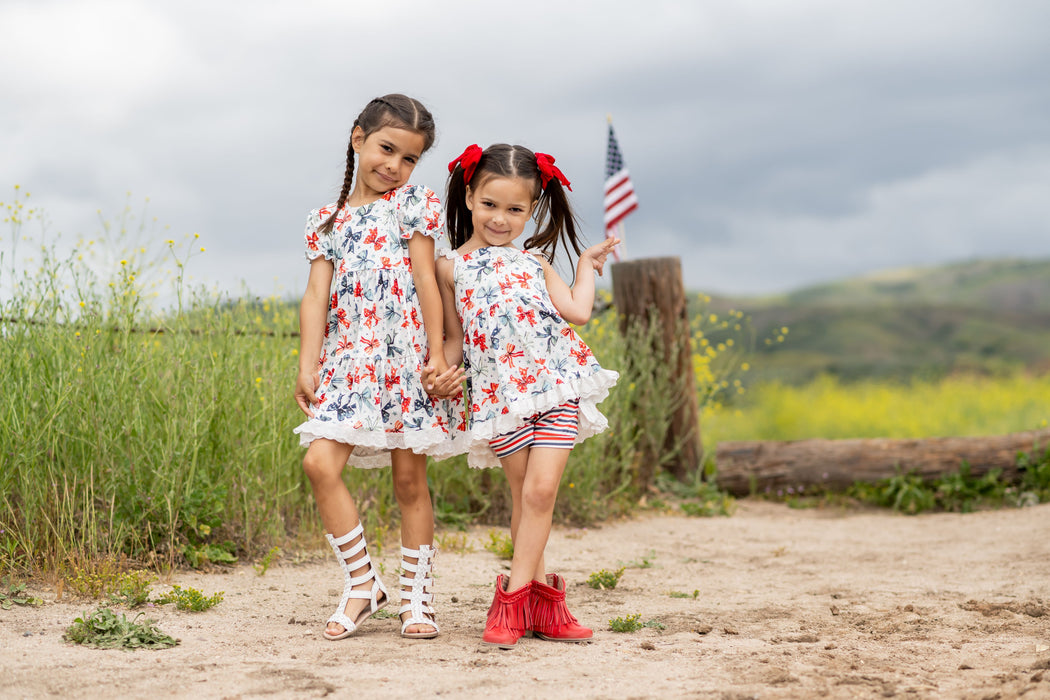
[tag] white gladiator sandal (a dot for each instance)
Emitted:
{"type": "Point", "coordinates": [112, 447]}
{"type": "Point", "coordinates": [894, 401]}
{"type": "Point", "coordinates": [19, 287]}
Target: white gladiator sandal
{"type": "Point", "coordinates": [376, 596]}
{"type": "Point", "coordinates": [417, 600]}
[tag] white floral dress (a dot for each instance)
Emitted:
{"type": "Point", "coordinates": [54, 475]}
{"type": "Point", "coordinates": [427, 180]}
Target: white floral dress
{"type": "Point", "coordinates": [375, 346]}
{"type": "Point", "coordinates": [520, 355]}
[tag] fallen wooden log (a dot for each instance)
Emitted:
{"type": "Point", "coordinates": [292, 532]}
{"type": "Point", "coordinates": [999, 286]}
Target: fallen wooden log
{"type": "Point", "coordinates": [753, 466]}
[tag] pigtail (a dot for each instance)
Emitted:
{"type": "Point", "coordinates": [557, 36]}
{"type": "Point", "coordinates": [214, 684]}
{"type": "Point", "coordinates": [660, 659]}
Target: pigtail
{"type": "Point", "coordinates": [459, 224]}
{"type": "Point", "coordinates": [348, 178]}
{"type": "Point", "coordinates": [555, 222]}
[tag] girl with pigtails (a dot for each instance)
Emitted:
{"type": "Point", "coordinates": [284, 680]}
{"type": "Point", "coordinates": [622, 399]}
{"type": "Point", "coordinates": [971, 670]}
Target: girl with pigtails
{"type": "Point", "coordinates": [370, 321]}
{"type": "Point", "coordinates": [533, 384]}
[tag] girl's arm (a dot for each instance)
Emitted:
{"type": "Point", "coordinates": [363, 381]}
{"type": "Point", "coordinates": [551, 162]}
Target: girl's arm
{"type": "Point", "coordinates": [448, 384]}
{"type": "Point", "coordinates": [313, 316]}
{"type": "Point", "coordinates": [575, 303]}
{"type": "Point", "coordinates": [453, 328]}
{"type": "Point", "coordinates": [421, 251]}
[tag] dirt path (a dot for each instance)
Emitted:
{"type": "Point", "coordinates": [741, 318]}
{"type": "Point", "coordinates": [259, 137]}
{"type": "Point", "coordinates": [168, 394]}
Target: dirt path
{"type": "Point", "coordinates": [790, 604]}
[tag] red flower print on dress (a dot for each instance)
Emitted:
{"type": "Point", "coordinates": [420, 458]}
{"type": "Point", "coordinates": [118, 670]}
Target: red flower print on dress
{"type": "Point", "coordinates": [371, 317]}
{"type": "Point", "coordinates": [343, 320]}
{"type": "Point", "coordinates": [371, 344]}
{"type": "Point", "coordinates": [311, 241]}
{"type": "Point", "coordinates": [358, 291]}
{"type": "Point", "coordinates": [478, 341]}
{"type": "Point", "coordinates": [580, 355]}
{"type": "Point", "coordinates": [398, 293]}
{"type": "Point", "coordinates": [391, 380]}
{"type": "Point", "coordinates": [344, 344]}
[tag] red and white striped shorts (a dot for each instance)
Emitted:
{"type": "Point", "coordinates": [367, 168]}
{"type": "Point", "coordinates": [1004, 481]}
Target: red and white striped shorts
{"type": "Point", "coordinates": [554, 428]}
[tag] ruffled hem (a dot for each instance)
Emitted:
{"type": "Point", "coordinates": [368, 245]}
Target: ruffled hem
{"type": "Point", "coordinates": [590, 390]}
{"type": "Point", "coordinates": [372, 448]}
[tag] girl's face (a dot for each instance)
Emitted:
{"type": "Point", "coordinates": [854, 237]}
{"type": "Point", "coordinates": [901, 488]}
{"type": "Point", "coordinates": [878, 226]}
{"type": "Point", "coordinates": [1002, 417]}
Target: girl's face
{"type": "Point", "coordinates": [500, 208]}
{"type": "Point", "coordinates": [385, 160]}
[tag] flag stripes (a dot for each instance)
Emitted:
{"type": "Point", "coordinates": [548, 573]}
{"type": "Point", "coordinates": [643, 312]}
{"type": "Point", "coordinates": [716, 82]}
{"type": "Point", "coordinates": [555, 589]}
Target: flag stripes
{"type": "Point", "coordinates": [620, 199]}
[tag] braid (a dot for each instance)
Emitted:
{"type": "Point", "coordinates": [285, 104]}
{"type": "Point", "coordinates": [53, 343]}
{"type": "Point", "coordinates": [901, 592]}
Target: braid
{"type": "Point", "coordinates": [393, 110]}
{"type": "Point", "coordinates": [348, 178]}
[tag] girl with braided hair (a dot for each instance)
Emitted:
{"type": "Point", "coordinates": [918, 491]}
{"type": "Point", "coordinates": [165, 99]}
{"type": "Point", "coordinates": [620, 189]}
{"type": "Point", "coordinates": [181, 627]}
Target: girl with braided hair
{"type": "Point", "coordinates": [533, 383]}
{"type": "Point", "coordinates": [370, 322]}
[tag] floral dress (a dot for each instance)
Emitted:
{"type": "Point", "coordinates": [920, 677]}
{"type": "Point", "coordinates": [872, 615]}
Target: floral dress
{"type": "Point", "coordinates": [520, 355]}
{"type": "Point", "coordinates": [375, 346]}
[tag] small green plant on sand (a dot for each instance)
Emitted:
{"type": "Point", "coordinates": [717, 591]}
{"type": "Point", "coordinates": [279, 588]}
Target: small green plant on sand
{"type": "Point", "coordinates": [633, 623]}
{"type": "Point", "coordinates": [645, 562]}
{"type": "Point", "coordinates": [15, 594]}
{"type": "Point", "coordinates": [626, 624]}
{"type": "Point", "coordinates": [453, 542]}
{"type": "Point", "coordinates": [501, 545]}
{"type": "Point", "coordinates": [132, 588]}
{"type": "Point", "coordinates": [104, 630]}
{"type": "Point", "coordinates": [680, 594]}
{"type": "Point", "coordinates": [263, 565]}
{"type": "Point", "coordinates": [103, 579]}
{"type": "Point", "coordinates": [605, 579]}
{"type": "Point", "coordinates": [189, 599]}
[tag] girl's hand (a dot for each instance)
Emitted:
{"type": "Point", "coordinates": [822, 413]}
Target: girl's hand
{"type": "Point", "coordinates": [444, 385]}
{"type": "Point", "coordinates": [305, 388]}
{"type": "Point", "coordinates": [597, 254]}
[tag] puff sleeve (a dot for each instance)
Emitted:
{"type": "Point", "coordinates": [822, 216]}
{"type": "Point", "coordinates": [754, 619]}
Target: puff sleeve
{"type": "Point", "coordinates": [419, 211]}
{"type": "Point", "coordinates": [318, 244]}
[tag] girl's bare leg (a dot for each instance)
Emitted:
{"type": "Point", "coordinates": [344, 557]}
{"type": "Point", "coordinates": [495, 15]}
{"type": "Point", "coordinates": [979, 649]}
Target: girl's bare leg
{"type": "Point", "coordinates": [323, 464]}
{"type": "Point", "coordinates": [543, 469]}
{"type": "Point", "coordinates": [417, 510]}
{"type": "Point", "coordinates": [514, 467]}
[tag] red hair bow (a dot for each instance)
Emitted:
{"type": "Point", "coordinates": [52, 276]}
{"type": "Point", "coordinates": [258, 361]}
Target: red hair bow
{"type": "Point", "coordinates": [468, 160]}
{"type": "Point", "coordinates": [548, 170]}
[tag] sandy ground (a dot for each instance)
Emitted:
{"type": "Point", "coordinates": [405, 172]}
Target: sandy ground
{"type": "Point", "coordinates": [790, 604]}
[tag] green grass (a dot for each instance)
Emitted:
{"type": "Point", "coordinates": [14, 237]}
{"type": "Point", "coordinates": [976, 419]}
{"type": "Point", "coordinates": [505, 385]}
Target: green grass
{"type": "Point", "coordinates": [162, 436]}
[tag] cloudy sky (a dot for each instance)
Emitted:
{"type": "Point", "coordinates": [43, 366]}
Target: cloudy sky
{"type": "Point", "coordinates": [772, 144]}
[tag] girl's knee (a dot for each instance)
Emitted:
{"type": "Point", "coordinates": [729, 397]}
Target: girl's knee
{"type": "Point", "coordinates": [540, 495]}
{"type": "Point", "coordinates": [410, 486]}
{"type": "Point", "coordinates": [318, 469]}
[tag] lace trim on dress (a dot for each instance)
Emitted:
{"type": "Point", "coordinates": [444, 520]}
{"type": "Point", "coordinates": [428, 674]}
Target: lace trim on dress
{"type": "Point", "coordinates": [591, 390]}
{"type": "Point", "coordinates": [372, 448]}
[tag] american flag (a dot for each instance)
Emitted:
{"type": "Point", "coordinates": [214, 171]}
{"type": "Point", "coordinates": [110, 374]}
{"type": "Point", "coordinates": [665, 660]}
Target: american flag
{"type": "Point", "coordinates": [619, 192]}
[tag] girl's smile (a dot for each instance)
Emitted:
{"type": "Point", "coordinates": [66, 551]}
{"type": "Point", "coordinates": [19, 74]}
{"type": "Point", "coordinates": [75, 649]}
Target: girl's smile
{"type": "Point", "coordinates": [386, 159]}
{"type": "Point", "coordinates": [500, 208]}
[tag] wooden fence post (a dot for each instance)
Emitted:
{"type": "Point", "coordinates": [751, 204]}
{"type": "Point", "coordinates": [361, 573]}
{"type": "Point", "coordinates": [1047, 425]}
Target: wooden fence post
{"type": "Point", "coordinates": [652, 288]}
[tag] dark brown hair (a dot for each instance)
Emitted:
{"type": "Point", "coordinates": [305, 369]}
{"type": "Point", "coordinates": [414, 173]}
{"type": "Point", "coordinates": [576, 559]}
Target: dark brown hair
{"type": "Point", "coordinates": [555, 221]}
{"type": "Point", "coordinates": [396, 110]}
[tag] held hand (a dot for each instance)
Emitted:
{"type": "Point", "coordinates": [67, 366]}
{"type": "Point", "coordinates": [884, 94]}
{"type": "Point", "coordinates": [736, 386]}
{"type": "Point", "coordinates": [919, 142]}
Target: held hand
{"type": "Point", "coordinates": [446, 385]}
{"type": "Point", "coordinates": [305, 388]}
{"type": "Point", "coordinates": [599, 252]}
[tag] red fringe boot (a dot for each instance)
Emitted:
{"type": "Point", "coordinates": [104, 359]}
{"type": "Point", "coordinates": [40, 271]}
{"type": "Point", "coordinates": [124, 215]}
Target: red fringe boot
{"type": "Point", "coordinates": [550, 616]}
{"type": "Point", "coordinates": [508, 619]}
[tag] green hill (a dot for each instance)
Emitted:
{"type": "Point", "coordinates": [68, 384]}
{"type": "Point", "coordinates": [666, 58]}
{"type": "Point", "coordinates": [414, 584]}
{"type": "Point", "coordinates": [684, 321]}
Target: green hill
{"type": "Point", "coordinates": [983, 316]}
